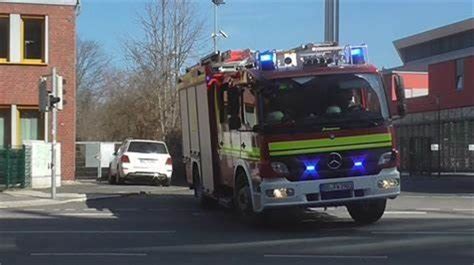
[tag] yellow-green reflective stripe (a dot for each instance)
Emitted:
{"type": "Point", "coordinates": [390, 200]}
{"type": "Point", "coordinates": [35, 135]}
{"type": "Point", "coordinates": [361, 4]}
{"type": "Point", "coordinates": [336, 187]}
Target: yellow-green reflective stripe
{"type": "Point", "coordinates": [319, 143]}
{"type": "Point", "coordinates": [330, 149]}
{"type": "Point", "coordinates": [252, 153]}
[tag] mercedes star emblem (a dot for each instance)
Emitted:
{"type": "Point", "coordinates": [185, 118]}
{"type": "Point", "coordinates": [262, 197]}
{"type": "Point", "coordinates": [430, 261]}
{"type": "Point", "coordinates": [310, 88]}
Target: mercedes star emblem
{"type": "Point", "coordinates": [335, 160]}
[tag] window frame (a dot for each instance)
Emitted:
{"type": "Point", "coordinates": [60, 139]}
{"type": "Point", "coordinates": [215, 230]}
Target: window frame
{"type": "Point", "coordinates": [7, 58]}
{"type": "Point", "coordinates": [43, 44]}
{"type": "Point", "coordinates": [459, 74]}
{"type": "Point", "coordinates": [41, 122]}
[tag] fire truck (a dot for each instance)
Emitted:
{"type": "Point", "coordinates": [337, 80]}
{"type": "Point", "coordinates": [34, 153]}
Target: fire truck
{"type": "Point", "coordinates": [303, 127]}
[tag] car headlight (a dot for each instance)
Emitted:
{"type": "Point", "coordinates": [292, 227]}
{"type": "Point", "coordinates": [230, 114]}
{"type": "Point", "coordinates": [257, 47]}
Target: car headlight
{"type": "Point", "coordinates": [280, 168]}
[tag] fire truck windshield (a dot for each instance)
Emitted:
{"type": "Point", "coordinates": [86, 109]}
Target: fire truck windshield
{"type": "Point", "coordinates": [342, 100]}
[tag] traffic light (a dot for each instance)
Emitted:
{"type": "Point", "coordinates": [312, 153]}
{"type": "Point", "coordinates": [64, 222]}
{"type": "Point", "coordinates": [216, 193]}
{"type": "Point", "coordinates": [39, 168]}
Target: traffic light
{"type": "Point", "coordinates": [44, 102]}
{"type": "Point", "coordinates": [59, 92]}
{"type": "Point", "coordinates": [54, 99]}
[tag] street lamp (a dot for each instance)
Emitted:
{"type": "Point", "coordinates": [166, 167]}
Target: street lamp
{"type": "Point", "coordinates": [215, 34]}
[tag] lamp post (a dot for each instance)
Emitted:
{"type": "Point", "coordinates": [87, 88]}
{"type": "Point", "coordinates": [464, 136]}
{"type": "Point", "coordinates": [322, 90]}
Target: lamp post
{"type": "Point", "coordinates": [216, 3]}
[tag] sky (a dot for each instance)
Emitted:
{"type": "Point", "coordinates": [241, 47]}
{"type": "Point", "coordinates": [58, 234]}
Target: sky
{"type": "Point", "coordinates": [282, 24]}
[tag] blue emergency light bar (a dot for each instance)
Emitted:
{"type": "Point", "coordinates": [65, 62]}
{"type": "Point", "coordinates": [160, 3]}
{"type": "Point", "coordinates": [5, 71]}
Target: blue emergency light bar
{"type": "Point", "coordinates": [267, 61]}
{"type": "Point", "coordinates": [313, 55]}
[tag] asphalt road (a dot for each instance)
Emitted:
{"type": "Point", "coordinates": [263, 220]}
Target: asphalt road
{"type": "Point", "coordinates": [171, 229]}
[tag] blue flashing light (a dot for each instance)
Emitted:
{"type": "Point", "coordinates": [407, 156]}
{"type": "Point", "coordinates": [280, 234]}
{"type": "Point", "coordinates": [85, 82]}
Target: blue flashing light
{"type": "Point", "coordinates": [358, 55]}
{"type": "Point", "coordinates": [359, 162]}
{"type": "Point", "coordinates": [267, 60]}
{"type": "Point", "coordinates": [356, 51]}
{"type": "Point", "coordinates": [311, 169]}
{"type": "Point", "coordinates": [266, 57]}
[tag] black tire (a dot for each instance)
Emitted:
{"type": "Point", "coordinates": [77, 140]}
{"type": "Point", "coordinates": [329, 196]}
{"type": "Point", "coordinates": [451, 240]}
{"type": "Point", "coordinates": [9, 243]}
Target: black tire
{"type": "Point", "coordinates": [367, 212]}
{"type": "Point", "coordinates": [167, 183]}
{"type": "Point", "coordinates": [204, 201]}
{"type": "Point", "coordinates": [120, 180]}
{"type": "Point", "coordinates": [112, 179]}
{"type": "Point", "coordinates": [155, 182]}
{"type": "Point", "coordinates": [243, 202]}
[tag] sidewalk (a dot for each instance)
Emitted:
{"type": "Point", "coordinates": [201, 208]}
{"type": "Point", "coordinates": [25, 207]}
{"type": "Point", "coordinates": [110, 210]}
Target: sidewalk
{"type": "Point", "coordinates": [78, 191]}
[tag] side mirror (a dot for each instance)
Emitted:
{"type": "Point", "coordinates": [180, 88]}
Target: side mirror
{"type": "Point", "coordinates": [234, 123]}
{"type": "Point", "coordinates": [400, 93]}
{"type": "Point", "coordinates": [115, 153]}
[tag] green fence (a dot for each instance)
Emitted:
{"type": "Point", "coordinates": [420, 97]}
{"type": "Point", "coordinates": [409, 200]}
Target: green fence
{"type": "Point", "coordinates": [13, 167]}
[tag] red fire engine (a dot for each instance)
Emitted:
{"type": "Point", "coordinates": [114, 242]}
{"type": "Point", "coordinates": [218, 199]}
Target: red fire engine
{"type": "Point", "coordinates": [309, 126]}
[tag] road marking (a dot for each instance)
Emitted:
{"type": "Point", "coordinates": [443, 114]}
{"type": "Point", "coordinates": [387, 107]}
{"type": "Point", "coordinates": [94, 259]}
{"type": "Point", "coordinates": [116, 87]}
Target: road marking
{"type": "Point", "coordinates": [98, 214]}
{"type": "Point", "coordinates": [405, 212]}
{"type": "Point", "coordinates": [428, 209]}
{"type": "Point", "coordinates": [89, 254]}
{"type": "Point", "coordinates": [467, 233]}
{"type": "Point", "coordinates": [89, 232]}
{"type": "Point", "coordinates": [322, 256]}
{"type": "Point", "coordinates": [463, 210]}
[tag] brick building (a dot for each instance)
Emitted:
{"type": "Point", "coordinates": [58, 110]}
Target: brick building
{"type": "Point", "coordinates": [438, 70]}
{"type": "Point", "coordinates": [36, 35]}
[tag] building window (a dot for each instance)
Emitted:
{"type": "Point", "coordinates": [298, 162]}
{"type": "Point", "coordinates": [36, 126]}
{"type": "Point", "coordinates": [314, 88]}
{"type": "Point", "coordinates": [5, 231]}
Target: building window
{"type": "Point", "coordinates": [33, 41]}
{"type": "Point", "coordinates": [4, 37]}
{"type": "Point", "coordinates": [460, 74]}
{"type": "Point", "coordinates": [4, 127]}
{"type": "Point", "coordinates": [32, 125]}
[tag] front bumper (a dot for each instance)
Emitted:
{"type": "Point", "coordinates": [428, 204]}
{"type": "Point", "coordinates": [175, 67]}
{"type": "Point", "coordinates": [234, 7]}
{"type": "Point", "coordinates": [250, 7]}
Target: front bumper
{"type": "Point", "coordinates": [308, 193]}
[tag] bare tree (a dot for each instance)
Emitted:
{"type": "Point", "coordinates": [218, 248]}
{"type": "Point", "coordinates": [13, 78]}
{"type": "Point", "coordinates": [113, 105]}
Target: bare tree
{"type": "Point", "coordinates": [91, 70]}
{"type": "Point", "coordinates": [171, 32]}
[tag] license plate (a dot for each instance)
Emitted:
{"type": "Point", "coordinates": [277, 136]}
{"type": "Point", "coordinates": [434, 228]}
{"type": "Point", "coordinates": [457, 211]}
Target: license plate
{"type": "Point", "coordinates": [349, 185]}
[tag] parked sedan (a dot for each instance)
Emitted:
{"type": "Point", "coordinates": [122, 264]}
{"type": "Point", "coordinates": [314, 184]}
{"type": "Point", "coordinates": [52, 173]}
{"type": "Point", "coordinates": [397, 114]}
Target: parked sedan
{"type": "Point", "coordinates": [141, 160]}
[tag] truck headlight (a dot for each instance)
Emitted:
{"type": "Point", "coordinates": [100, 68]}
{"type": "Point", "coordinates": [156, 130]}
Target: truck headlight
{"type": "Point", "coordinates": [280, 193]}
{"type": "Point", "coordinates": [388, 183]}
{"type": "Point", "coordinates": [280, 168]}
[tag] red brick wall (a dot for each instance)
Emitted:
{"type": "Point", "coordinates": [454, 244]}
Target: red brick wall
{"type": "Point", "coordinates": [443, 84]}
{"type": "Point", "coordinates": [19, 83]}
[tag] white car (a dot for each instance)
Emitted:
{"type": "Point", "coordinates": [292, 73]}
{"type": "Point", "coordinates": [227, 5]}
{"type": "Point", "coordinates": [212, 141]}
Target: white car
{"type": "Point", "coordinates": [141, 160]}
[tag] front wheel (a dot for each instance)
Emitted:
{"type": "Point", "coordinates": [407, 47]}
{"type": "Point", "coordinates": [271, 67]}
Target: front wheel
{"type": "Point", "coordinates": [367, 212]}
{"type": "Point", "coordinates": [243, 202]}
{"type": "Point", "coordinates": [112, 179]}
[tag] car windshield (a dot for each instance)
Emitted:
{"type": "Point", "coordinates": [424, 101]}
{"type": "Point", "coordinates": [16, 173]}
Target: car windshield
{"type": "Point", "coordinates": [147, 148]}
{"type": "Point", "coordinates": [328, 100]}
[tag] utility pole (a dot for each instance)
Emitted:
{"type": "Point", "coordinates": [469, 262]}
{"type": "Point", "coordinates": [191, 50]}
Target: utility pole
{"type": "Point", "coordinates": [216, 3]}
{"type": "Point", "coordinates": [53, 136]}
{"type": "Point", "coordinates": [49, 102]}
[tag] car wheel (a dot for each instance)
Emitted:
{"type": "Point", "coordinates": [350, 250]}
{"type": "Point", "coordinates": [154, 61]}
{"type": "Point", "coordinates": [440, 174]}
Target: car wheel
{"type": "Point", "coordinates": [120, 180]}
{"type": "Point", "coordinates": [155, 182]}
{"type": "Point", "coordinates": [367, 212]}
{"type": "Point", "coordinates": [112, 179]}
{"type": "Point", "coordinates": [167, 183]}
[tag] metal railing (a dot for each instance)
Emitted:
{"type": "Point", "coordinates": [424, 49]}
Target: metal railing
{"type": "Point", "coordinates": [13, 167]}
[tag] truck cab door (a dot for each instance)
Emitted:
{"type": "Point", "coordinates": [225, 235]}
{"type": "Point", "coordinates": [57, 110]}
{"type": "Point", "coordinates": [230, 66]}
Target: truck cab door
{"type": "Point", "coordinates": [225, 148]}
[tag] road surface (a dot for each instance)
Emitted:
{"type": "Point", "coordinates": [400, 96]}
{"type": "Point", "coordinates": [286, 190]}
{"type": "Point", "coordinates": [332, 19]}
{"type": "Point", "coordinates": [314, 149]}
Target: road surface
{"type": "Point", "coordinates": [170, 228]}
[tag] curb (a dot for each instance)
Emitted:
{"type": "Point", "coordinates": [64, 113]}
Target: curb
{"type": "Point", "coordinates": [46, 202]}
